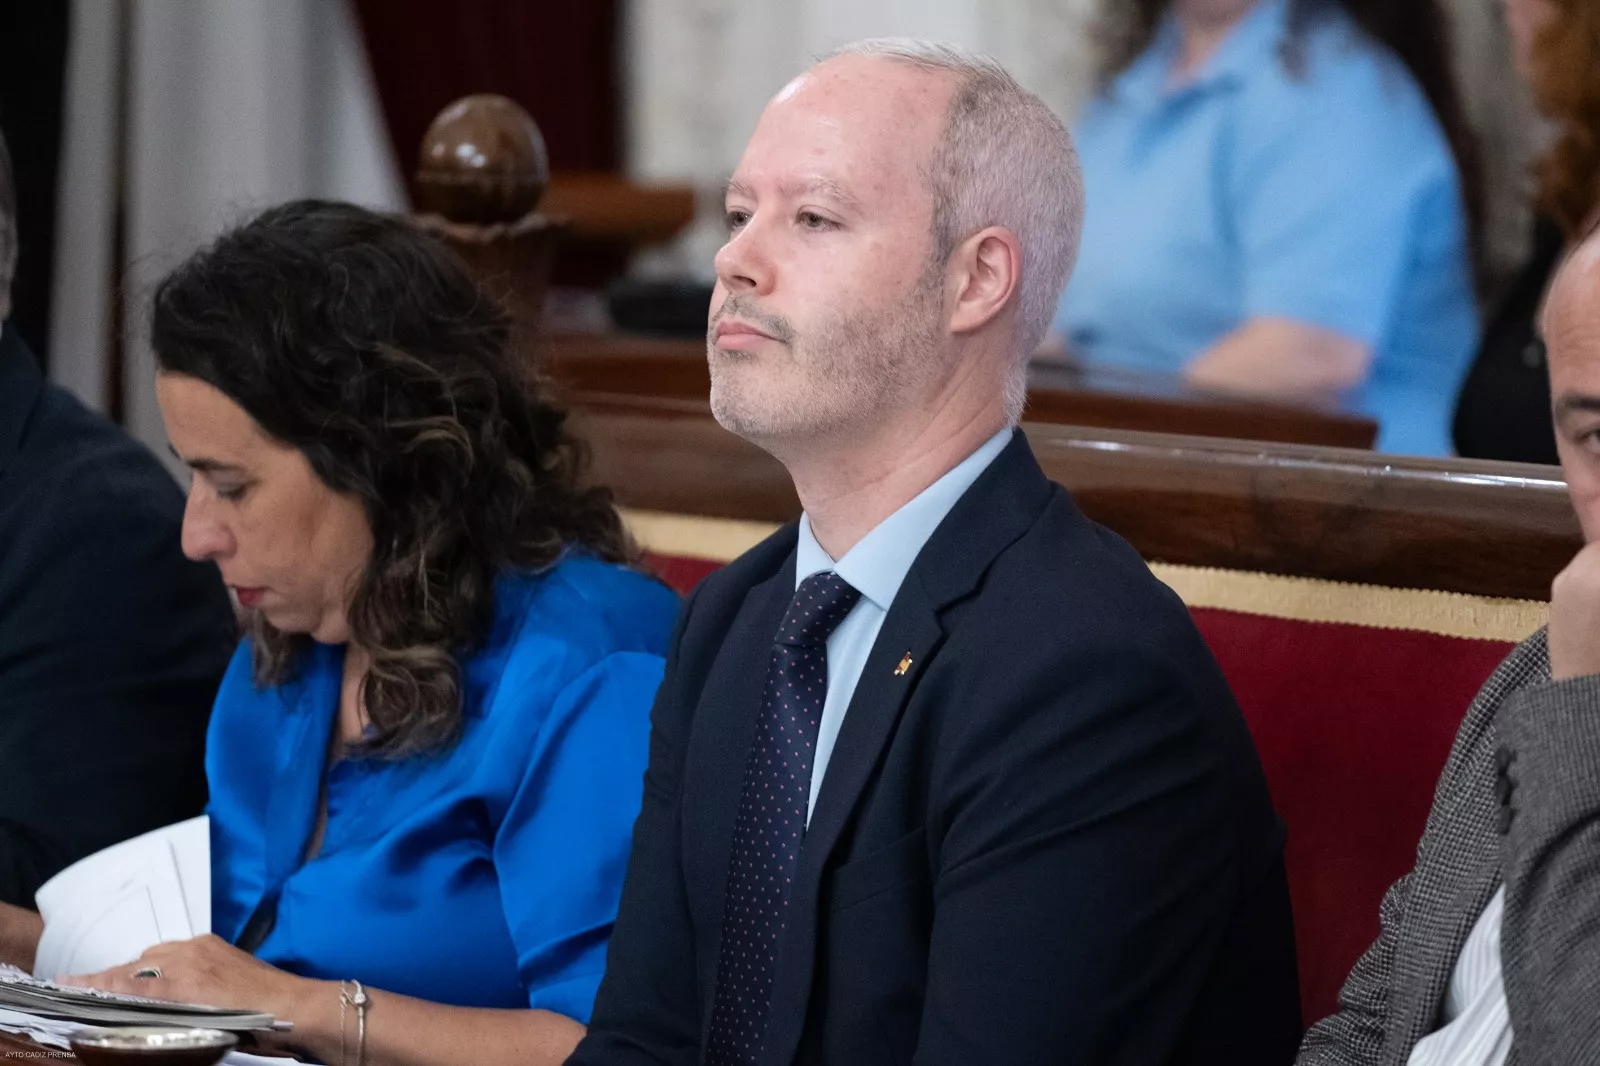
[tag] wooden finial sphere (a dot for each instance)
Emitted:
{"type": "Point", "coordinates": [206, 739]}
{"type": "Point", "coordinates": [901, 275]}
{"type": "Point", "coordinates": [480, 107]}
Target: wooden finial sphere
{"type": "Point", "coordinates": [483, 161]}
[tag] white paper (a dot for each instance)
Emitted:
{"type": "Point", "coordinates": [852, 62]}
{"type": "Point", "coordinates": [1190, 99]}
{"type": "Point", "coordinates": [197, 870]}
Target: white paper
{"type": "Point", "coordinates": [109, 908]}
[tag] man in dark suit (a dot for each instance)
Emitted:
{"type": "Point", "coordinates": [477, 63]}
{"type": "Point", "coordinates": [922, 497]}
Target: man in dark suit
{"type": "Point", "coordinates": [941, 774]}
{"type": "Point", "coordinates": [111, 642]}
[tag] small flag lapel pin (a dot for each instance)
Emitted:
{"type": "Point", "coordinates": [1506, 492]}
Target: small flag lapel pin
{"type": "Point", "coordinates": [905, 664]}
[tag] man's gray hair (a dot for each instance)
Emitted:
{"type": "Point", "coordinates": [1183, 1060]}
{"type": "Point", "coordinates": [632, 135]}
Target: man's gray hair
{"type": "Point", "coordinates": [8, 229]}
{"type": "Point", "coordinates": [1005, 159]}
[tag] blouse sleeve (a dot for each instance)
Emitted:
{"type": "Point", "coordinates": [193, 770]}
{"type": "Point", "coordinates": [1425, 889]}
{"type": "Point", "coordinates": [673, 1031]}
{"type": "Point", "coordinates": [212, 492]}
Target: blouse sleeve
{"type": "Point", "coordinates": [562, 848]}
{"type": "Point", "coordinates": [1342, 184]}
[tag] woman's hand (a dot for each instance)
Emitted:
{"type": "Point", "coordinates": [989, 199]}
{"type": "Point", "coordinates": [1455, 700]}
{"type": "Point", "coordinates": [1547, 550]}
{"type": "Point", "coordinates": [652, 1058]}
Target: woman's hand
{"type": "Point", "coordinates": [401, 1031]}
{"type": "Point", "coordinates": [20, 930]}
{"type": "Point", "coordinates": [206, 970]}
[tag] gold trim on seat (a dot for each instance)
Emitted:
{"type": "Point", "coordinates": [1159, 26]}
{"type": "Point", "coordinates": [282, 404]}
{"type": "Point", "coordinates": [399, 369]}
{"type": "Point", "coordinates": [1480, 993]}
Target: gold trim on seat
{"type": "Point", "coordinates": [1301, 599]}
{"type": "Point", "coordinates": [1304, 599]}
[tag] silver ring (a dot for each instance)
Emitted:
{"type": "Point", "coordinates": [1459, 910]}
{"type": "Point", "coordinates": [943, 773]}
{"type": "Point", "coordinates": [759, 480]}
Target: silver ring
{"type": "Point", "coordinates": [147, 973]}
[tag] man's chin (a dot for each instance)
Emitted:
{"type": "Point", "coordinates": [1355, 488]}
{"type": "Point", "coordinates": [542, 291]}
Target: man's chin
{"type": "Point", "coordinates": [761, 423]}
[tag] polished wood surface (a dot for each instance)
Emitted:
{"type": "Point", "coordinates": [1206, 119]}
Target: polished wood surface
{"type": "Point", "coordinates": [612, 209]}
{"type": "Point", "coordinates": [1494, 529]}
{"type": "Point", "coordinates": [617, 363]}
{"type": "Point", "coordinates": [482, 161]}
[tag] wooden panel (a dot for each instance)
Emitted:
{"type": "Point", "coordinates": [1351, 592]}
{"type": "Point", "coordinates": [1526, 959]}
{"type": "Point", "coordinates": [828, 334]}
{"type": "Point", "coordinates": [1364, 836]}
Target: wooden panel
{"type": "Point", "coordinates": [1495, 529]}
{"type": "Point", "coordinates": [1127, 399]}
{"type": "Point", "coordinates": [1117, 399]}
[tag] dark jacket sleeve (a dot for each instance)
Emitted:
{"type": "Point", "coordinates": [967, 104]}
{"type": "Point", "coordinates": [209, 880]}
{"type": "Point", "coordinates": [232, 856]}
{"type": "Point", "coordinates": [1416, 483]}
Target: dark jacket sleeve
{"type": "Point", "coordinates": [1095, 850]}
{"type": "Point", "coordinates": [111, 648]}
{"type": "Point", "coordinates": [1550, 769]}
{"type": "Point", "coordinates": [647, 1009]}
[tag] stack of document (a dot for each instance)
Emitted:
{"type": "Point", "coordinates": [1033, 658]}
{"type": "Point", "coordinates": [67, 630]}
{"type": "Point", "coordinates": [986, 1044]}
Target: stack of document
{"type": "Point", "coordinates": [107, 910]}
{"type": "Point", "coordinates": [50, 1033]}
{"type": "Point", "coordinates": [45, 999]}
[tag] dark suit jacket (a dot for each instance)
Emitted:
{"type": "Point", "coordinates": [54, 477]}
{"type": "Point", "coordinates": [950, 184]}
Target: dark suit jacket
{"type": "Point", "coordinates": [1048, 842]}
{"type": "Point", "coordinates": [111, 643]}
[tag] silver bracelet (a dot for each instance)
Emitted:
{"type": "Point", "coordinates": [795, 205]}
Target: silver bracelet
{"type": "Point", "coordinates": [359, 1000]}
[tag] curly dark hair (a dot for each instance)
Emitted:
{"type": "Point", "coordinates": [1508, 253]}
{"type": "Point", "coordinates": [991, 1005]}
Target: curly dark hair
{"type": "Point", "coordinates": [365, 343]}
{"type": "Point", "coordinates": [1417, 31]}
{"type": "Point", "coordinates": [1565, 88]}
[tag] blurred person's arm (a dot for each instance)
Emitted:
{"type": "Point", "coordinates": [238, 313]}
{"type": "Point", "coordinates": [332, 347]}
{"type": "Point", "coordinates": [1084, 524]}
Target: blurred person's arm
{"type": "Point", "coordinates": [20, 930]}
{"type": "Point", "coordinates": [1279, 358]}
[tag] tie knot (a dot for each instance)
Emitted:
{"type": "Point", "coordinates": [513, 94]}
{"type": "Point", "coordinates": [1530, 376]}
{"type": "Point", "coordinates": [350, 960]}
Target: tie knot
{"type": "Point", "coordinates": [819, 605]}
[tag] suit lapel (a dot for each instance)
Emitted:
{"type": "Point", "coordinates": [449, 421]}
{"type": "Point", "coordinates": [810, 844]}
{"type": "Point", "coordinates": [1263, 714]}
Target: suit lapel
{"type": "Point", "coordinates": [1458, 865]}
{"type": "Point", "coordinates": [911, 632]}
{"type": "Point", "coordinates": [1450, 895]}
{"type": "Point", "coordinates": [724, 728]}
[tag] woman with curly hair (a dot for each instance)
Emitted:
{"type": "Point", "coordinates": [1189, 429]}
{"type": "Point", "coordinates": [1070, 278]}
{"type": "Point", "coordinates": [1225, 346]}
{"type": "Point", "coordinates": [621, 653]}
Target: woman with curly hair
{"type": "Point", "coordinates": [1281, 196]}
{"type": "Point", "coordinates": [1504, 409]}
{"type": "Point", "coordinates": [426, 760]}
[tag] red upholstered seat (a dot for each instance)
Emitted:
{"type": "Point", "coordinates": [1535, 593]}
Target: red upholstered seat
{"type": "Point", "coordinates": [682, 572]}
{"type": "Point", "coordinates": [1353, 723]}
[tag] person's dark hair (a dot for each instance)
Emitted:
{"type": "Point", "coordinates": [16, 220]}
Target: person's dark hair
{"type": "Point", "coordinates": [1417, 31]}
{"type": "Point", "coordinates": [1566, 90]}
{"type": "Point", "coordinates": [365, 343]}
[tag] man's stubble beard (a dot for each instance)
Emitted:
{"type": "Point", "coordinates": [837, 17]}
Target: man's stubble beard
{"type": "Point", "coordinates": [843, 376]}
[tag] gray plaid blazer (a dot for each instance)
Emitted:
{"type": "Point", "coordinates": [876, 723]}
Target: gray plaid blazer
{"type": "Point", "coordinates": [1519, 801]}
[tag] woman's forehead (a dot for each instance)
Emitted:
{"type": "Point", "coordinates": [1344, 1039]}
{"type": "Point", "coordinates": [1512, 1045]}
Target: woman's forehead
{"type": "Point", "coordinates": [200, 415]}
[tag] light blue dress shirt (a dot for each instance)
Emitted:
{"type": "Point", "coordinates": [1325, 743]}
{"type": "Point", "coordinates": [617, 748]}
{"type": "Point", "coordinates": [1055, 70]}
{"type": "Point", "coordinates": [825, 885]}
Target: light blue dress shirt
{"type": "Point", "coordinates": [483, 875]}
{"type": "Point", "coordinates": [1329, 197]}
{"type": "Point", "coordinates": [875, 567]}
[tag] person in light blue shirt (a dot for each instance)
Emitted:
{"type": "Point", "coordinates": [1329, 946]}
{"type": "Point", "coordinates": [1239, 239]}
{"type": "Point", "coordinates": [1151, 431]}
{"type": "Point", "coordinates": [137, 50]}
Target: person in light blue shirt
{"type": "Point", "coordinates": [1277, 207]}
{"type": "Point", "coordinates": [426, 760]}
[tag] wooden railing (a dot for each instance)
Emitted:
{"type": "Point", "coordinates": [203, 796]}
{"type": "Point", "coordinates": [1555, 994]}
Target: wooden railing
{"type": "Point", "coordinates": [1493, 529]}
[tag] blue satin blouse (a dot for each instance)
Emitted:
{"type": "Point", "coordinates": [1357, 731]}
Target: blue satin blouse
{"type": "Point", "coordinates": [485, 875]}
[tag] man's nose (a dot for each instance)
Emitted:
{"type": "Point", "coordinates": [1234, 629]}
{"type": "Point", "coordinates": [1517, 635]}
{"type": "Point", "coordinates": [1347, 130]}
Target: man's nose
{"type": "Point", "coordinates": [744, 264]}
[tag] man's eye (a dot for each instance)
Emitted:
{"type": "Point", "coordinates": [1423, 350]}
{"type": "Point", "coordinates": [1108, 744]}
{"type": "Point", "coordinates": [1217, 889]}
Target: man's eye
{"type": "Point", "coordinates": [232, 495]}
{"type": "Point", "coordinates": [735, 219]}
{"type": "Point", "coordinates": [812, 220]}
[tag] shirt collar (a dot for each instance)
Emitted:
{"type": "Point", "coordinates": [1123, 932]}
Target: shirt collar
{"type": "Point", "coordinates": [1248, 48]}
{"type": "Point", "coordinates": [879, 562]}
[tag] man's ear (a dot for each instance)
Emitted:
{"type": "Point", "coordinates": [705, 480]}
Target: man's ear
{"type": "Point", "coordinates": [987, 270]}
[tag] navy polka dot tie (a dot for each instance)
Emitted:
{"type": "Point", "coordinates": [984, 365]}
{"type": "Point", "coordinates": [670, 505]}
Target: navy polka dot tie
{"type": "Point", "coordinates": [772, 817]}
